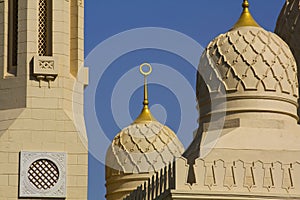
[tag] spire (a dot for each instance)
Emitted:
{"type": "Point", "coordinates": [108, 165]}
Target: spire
{"type": "Point", "coordinates": [145, 114]}
{"type": "Point", "coordinates": [246, 18]}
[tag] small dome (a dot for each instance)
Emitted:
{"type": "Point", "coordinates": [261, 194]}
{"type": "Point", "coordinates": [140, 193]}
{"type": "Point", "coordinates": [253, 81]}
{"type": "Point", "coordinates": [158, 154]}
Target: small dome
{"type": "Point", "coordinates": [249, 57]}
{"type": "Point", "coordinates": [139, 150]}
{"type": "Point", "coordinates": [144, 147]}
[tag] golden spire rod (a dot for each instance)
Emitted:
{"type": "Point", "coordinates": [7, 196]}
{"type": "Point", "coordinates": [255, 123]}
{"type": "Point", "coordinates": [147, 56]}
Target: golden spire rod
{"type": "Point", "coordinates": [145, 102]}
{"type": "Point", "coordinates": [246, 18]}
{"type": "Point", "coordinates": [145, 114]}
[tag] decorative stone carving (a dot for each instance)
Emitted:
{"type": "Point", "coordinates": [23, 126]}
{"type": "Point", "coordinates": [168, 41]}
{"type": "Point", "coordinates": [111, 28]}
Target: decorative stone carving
{"type": "Point", "coordinates": [239, 177]}
{"type": "Point", "coordinates": [238, 172]}
{"type": "Point", "coordinates": [42, 175]}
{"type": "Point", "coordinates": [45, 68]}
{"type": "Point", "coordinates": [209, 175]}
{"type": "Point", "coordinates": [43, 17]}
{"type": "Point", "coordinates": [229, 180]}
{"type": "Point", "coordinates": [253, 67]}
{"type": "Point", "coordinates": [219, 170]}
{"type": "Point", "coordinates": [45, 65]}
{"type": "Point", "coordinates": [143, 147]}
{"type": "Point", "coordinates": [199, 169]}
{"type": "Point", "coordinates": [277, 172]}
{"type": "Point", "coordinates": [250, 57]}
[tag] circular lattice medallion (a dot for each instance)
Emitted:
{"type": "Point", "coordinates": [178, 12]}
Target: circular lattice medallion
{"type": "Point", "coordinates": [43, 174]}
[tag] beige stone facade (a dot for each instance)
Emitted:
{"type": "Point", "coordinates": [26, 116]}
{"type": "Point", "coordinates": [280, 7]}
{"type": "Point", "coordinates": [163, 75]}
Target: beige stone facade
{"type": "Point", "coordinates": [41, 103]}
{"type": "Point", "coordinates": [247, 146]}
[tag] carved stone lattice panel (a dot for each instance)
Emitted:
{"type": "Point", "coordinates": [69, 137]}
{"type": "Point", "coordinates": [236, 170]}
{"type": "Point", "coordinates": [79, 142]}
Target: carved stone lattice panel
{"type": "Point", "coordinates": [42, 175]}
{"type": "Point", "coordinates": [45, 65]}
{"type": "Point", "coordinates": [42, 34]}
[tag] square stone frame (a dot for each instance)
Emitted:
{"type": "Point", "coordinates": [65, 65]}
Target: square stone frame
{"type": "Point", "coordinates": [29, 190]}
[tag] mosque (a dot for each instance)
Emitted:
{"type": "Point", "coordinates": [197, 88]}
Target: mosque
{"type": "Point", "coordinates": [247, 146]}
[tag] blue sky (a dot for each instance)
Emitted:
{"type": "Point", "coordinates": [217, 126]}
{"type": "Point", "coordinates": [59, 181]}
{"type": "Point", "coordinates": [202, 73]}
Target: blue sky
{"type": "Point", "coordinates": [201, 20]}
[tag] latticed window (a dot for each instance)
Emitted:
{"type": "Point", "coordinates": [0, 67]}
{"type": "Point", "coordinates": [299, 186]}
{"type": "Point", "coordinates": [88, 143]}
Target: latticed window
{"type": "Point", "coordinates": [45, 28]}
{"type": "Point", "coordinates": [12, 36]}
{"type": "Point", "coordinates": [43, 174]}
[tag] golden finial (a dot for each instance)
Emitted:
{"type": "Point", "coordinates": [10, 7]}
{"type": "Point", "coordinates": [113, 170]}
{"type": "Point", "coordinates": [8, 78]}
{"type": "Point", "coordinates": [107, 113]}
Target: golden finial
{"type": "Point", "coordinates": [245, 4]}
{"type": "Point", "coordinates": [145, 114]}
{"type": "Point", "coordinates": [246, 18]}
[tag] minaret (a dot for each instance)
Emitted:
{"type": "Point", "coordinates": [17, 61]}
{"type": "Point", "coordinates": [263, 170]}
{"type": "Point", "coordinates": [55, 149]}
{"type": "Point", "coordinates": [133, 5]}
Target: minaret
{"type": "Point", "coordinates": [43, 140]}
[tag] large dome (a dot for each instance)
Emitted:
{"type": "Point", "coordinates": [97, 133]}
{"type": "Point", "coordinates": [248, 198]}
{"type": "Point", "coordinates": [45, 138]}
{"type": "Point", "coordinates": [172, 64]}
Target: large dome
{"type": "Point", "coordinates": [255, 68]}
{"type": "Point", "coordinates": [249, 58]}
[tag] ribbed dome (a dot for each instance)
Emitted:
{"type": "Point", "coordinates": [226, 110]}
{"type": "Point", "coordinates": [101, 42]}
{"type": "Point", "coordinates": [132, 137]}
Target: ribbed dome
{"type": "Point", "coordinates": [144, 147]}
{"type": "Point", "coordinates": [254, 68]}
{"type": "Point", "coordinates": [248, 58]}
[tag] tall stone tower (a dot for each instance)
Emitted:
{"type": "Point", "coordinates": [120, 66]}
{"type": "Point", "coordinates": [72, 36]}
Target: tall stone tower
{"type": "Point", "coordinates": [43, 143]}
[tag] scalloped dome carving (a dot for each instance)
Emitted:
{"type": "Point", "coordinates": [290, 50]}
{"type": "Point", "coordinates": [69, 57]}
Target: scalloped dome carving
{"type": "Point", "coordinates": [248, 58]}
{"type": "Point", "coordinates": [144, 147]}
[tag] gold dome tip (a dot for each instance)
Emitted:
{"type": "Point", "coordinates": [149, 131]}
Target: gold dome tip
{"type": "Point", "coordinates": [145, 115]}
{"type": "Point", "coordinates": [246, 18]}
{"type": "Point", "coordinates": [245, 4]}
